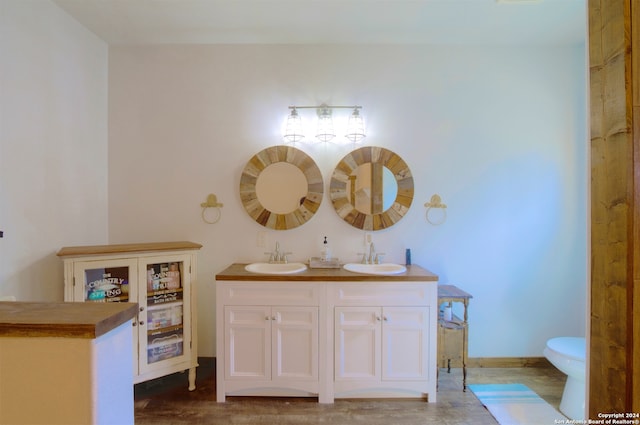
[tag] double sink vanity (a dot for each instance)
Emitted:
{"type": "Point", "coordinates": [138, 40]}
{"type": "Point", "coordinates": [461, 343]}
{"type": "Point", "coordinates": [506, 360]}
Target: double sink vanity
{"type": "Point", "coordinates": [289, 330]}
{"type": "Point", "coordinates": [361, 330]}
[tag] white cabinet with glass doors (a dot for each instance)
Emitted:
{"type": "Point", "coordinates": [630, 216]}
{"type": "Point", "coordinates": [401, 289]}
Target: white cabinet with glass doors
{"type": "Point", "coordinates": [160, 278]}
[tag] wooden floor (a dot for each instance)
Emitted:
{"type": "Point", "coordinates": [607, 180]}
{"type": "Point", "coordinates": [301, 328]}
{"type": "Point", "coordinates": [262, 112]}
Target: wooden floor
{"type": "Point", "coordinates": [168, 401]}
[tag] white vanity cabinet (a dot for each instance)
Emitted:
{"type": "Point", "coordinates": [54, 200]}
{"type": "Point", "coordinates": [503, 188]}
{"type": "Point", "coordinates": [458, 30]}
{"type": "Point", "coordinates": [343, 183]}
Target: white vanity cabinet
{"type": "Point", "coordinates": [326, 333]}
{"type": "Point", "coordinates": [384, 339]}
{"type": "Point", "coordinates": [381, 344]}
{"type": "Point", "coordinates": [160, 278]}
{"type": "Point", "coordinates": [268, 339]}
{"type": "Point", "coordinates": [271, 344]}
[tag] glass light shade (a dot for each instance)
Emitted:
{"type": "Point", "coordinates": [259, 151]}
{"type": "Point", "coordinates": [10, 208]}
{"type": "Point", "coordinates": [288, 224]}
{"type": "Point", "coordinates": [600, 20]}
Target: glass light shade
{"type": "Point", "coordinates": [325, 126]}
{"type": "Point", "coordinates": [293, 131]}
{"type": "Point", "coordinates": [355, 127]}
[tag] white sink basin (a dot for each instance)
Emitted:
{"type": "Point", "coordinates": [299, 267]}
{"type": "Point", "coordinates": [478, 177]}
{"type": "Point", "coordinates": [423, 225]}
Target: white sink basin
{"type": "Point", "coordinates": [275, 268]}
{"type": "Point", "coordinates": [384, 268]}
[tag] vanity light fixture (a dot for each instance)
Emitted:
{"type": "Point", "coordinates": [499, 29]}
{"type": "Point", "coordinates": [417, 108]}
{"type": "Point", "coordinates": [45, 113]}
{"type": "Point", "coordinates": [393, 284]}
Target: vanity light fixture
{"type": "Point", "coordinates": [355, 128]}
{"type": "Point", "coordinates": [293, 132]}
{"type": "Point", "coordinates": [325, 131]}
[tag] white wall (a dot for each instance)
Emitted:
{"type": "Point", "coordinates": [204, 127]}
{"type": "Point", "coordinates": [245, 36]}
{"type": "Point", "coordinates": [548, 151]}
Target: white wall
{"type": "Point", "coordinates": [498, 132]}
{"type": "Point", "coordinates": [53, 145]}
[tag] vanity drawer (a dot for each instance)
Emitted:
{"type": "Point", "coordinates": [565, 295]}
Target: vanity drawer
{"type": "Point", "coordinates": [270, 293]}
{"type": "Point", "coordinates": [382, 294]}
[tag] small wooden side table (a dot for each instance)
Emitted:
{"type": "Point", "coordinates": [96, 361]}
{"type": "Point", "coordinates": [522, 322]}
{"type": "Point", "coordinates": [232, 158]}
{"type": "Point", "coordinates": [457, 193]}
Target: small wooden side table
{"type": "Point", "coordinates": [453, 334]}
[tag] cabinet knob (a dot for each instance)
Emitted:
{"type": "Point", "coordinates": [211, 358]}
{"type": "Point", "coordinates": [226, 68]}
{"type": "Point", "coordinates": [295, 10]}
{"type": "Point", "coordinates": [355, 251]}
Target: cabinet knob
{"type": "Point", "coordinates": [141, 308]}
{"type": "Point", "coordinates": [266, 317]}
{"type": "Point", "coordinates": [141, 323]}
{"type": "Point", "coordinates": [378, 318]}
{"type": "Point", "coordinates": [385, 318]}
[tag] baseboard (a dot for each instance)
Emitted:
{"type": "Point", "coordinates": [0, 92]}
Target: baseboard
{"type": "Point", "coordinates": [498, 362]}
{"type": "Point", "coordinates": [488, 362]}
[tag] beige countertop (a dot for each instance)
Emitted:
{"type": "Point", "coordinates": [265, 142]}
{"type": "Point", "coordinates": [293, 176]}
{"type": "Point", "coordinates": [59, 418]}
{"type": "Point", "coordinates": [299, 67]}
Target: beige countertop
{"type": "Point", "coordinates": [62, 320]}
{"type": "Point", "coordinates": [414, 273]}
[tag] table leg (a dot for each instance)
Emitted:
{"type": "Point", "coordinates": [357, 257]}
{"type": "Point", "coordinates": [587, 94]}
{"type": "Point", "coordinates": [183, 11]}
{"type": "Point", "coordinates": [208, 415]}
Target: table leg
{"type": "Point", "coordinates": [464, 377]}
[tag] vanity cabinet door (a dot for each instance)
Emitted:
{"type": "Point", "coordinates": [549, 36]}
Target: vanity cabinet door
{"type": "Point", "coordinates": [405, 343]}
{"type": "Point", "coordinates": [295, 343]}
{"type": "Point", "coordinates": [357, 343]}
{"type": "Point", "coordinates": [381, 343]}
{"type": "Point", "coordinates": [271, 343]}
{"type": "Point", "coordinates": [247, 337]}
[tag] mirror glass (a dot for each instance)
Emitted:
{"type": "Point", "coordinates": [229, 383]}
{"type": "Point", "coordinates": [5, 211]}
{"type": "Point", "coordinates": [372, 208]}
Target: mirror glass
{"type": "Point", "coordinates": [281, 187]}
{"type": "Point", "coordinates": [372, 188]}
{"type": "Point", "coordinates": [272, 181]}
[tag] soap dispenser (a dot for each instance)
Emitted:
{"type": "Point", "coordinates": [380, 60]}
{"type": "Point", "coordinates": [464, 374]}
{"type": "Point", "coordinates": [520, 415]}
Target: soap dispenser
{"type": "Point", "coordinates": [325, 254]}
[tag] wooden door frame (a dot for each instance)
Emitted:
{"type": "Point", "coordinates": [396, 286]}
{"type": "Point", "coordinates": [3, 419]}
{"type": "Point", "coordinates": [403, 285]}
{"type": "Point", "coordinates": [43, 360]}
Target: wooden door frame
{"type": "Point", "coordinates": [614, 331]}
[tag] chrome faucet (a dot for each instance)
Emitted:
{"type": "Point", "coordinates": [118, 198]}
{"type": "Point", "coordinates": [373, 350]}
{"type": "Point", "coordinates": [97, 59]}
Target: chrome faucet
{"type": "Point", "coordinates": [278, 256]}
{"type": "Point", "coordinates": [372, 254]}
{"type": "Point", "coordinates": [374, 257]}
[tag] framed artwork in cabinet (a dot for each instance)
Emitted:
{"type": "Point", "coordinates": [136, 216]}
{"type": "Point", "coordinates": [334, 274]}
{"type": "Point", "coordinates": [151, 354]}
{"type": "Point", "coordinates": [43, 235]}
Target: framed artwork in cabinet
{"type": "Point", "coordinates": [105, 281]}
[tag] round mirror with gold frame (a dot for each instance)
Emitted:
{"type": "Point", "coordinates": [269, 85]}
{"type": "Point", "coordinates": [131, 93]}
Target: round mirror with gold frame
{"type": "Point", "coordinates": [281, 187]}
{"type": "Point", "coordinates": [372, 188]}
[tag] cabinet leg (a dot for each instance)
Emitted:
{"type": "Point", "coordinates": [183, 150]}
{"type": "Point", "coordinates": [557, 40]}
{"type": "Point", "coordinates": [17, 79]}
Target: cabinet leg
{"type": "Point", "coordinates": [192, 379]}
{"type": "Point", "coordinates": [464, 377]}
{"type": "Point", "coordinates": [448, 365]}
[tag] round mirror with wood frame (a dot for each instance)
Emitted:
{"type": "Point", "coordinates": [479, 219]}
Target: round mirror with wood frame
{"type": "Point", "coordinates": [343, 188]}
{"type": "Point", "coordinates": [288, 214]}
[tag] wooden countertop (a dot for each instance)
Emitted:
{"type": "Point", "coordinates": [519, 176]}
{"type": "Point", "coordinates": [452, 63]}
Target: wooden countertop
{"type": "Point", "coordinates": [62, 320]}
{"type": "Point", "coordinates": [414, 273]}
{"type": "Point", "coordinates": [124, 248]}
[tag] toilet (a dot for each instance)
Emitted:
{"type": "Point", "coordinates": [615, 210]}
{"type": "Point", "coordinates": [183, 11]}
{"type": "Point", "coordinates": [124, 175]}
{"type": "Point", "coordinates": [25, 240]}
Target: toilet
{"type": "Point", "coordinates": [568, 354]}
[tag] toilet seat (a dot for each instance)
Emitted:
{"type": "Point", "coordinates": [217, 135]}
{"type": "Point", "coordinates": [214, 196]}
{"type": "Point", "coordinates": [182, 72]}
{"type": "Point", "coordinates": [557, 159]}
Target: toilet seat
{"type": "Point", "coordinates": [574, 348]}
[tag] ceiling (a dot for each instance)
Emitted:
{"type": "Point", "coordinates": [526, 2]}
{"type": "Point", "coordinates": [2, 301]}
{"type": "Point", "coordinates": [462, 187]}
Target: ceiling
{"type": "Point", "coordinates": [499, 22]}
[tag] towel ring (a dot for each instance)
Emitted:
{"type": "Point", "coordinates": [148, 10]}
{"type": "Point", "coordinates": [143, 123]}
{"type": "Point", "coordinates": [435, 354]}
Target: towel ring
{"type": "Point", "coordinates": [212, 202]}
{"type": "Point", "coordinates": [436, 202]}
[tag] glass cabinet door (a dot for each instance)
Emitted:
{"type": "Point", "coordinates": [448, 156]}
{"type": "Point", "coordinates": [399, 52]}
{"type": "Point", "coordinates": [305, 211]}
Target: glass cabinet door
{"type": "Point", "coordinates": [165, 293]}
{"type": "Point", "coordinates": [105, 281]}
